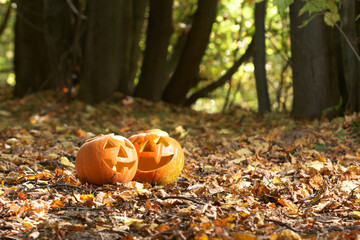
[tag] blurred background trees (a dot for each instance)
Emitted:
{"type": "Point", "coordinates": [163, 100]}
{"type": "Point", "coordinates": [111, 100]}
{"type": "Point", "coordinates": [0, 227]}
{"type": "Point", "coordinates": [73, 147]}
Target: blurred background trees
{"type": "Point", "coordinates": [296, 56]}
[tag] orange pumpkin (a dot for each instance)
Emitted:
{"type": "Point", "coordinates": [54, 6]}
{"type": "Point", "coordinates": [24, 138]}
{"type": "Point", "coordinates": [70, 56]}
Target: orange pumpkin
{"type": "Point", "coordinates": [161, 158]}
{"type": "Point", "coordinates": [106, 159]}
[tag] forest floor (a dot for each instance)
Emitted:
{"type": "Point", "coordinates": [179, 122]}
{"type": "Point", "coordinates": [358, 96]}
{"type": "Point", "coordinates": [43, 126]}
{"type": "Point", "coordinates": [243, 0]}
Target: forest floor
{"type": "Point", "coordinates": [245, 177]}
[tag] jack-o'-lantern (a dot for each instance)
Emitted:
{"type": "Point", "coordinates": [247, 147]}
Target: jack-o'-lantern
{"type": "Point", "coordinates": [106, 159]}
{"type": "Point", "coordinates": [161, 158]}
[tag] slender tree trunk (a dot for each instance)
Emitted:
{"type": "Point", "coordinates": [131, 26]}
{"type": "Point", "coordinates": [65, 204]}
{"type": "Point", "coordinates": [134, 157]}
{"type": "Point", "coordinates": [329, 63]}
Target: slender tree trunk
{"type": "Point", "coordinates": [185, 75]}
{"type": "Point", "coordinates": [32, 66]}
{"type": "Point", "coordinates": [132, 13]}
{"type": "Point", "coordinates": [178, 48]}
{"type": "Point", "coordinates": [5, 19]}
{"type": "Point", "coordinates": [350, 63]}
{"type": "Point", "coordinates": [100, 72]}
{"type": "Point", "coordinates": [153, 71]}
{"type": "Point", "coordinates": [139, 7]}
{"type": "Point", "coordinates": [259, 59]}
{"type": "Point", "coordinates": [315, 80]}
{"type": "Point", "coordinates": [58, 34]}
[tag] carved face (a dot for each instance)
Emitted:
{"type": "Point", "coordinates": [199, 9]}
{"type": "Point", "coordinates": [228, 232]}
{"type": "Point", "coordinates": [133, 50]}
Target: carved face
{"type": "Point", "coordinates": [161, 158]}
{"type": "Point", "coordinates": [106, 159]}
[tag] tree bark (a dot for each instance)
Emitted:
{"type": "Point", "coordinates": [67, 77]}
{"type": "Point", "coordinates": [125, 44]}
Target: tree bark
{"type": "Point", "coordinates": [153, 71]}
{"type": "Point", "coordinates": [58, 34]}
{"type": "Point", "coordinates": [32, 67]}
{"type": "Point", "coordinates": [100, 72]}
{"type": "Point", "coordinates": [350, 63]}
{"type": "Point", "coordinates": [139, 9]}
{"type": "Point", "coordinates": [185, 75]}
{"type": "Point", "coordinates": [132, 20]}
{"type": "Point", "coordinates": [260, 59]}
{"type": "Point", "coordinates": [315, 80]}
{"type": "Point", "coordinates": [43, 32]}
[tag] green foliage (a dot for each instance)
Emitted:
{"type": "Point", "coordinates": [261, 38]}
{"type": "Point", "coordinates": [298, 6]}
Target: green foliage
{"type": "Point", "coordinates": [6, 47]}
{"type": "Point", "coordinates": [282, 5]}
{"type": "Point", "coordinates": [327, 8]}
{"type": "Point", "coordinates": [231, 35]}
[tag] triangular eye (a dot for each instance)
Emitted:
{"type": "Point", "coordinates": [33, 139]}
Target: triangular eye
{"type": "Point", "coordinates": [147, 147]}
{"type": "Point", "coordinates": [109, 144]}
{"type": "Point", "coordinates": [162, 141]}
{"type": "Point", "coordinates": [122, 152]}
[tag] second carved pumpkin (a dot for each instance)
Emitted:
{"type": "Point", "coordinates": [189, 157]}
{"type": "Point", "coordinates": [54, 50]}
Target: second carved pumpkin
{"type": "Point", "coordinates": [161, 158]}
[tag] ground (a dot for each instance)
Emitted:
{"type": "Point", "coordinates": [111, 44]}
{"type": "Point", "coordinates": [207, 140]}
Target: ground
{"type": "Point", "coordinates": [245, 176]}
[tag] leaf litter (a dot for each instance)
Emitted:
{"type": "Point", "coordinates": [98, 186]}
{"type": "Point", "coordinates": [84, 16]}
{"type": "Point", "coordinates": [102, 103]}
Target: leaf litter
{"type": "Point", "coordinates": [245, 177]}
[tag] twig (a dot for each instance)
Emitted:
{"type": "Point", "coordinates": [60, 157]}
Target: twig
{"type": "Point", "coordinates": [181, 198]}
{"type": "Point", "coordinates": [352, 193]}
{"type": "Point", "coordinates": [282, 224]}
{"type": "Point", "coordinates": [107, 181]}
{"type": "Point", "coordinates": [60, 185]}
{"type": "Point", "coordinates": [75, 10]}
{"type": "Point", "coordinates": [82, 208]}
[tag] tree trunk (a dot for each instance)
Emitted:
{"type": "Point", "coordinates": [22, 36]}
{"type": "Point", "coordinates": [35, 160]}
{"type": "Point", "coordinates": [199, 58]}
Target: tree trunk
{"type": "Point", "coordinates": [350, 63]}
{"type": "Point", "coordinates": [185, 75]}
{"type": "Point", "coordinates": [100, 72]}
{"type": "Point", "coordinates": [259, 59]}
{"type": "Point", "coordinates": [43, 31]}
{"type": "Point", "coordinates": [33, 69]}
{"type": "Point", "coordinates": [58, 34]}
{"type": "Point", "coordinates": [315, 82]}
{"type": "Point", "coordinates": [139, 7]}
{"type": "Point", "coordinates": [132, 20]}
{"type": "Point", "coordinates": [153, 71]}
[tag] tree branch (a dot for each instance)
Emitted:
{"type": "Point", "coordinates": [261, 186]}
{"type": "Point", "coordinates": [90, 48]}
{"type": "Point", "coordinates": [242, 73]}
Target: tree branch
{"type": "Point", "coordinates": [204, 92]}
{"type": "Point", "coordinates": [5, 20]}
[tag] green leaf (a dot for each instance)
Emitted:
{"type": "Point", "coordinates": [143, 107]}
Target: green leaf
{"type": "Point", "coordinates": [305, 22]}
{"type": "Point", "coordinates": [331, 18]}
{"type": "Point", "coordinates": [320, 147]}
{"type": "Point", "coordinates": [282, 5]}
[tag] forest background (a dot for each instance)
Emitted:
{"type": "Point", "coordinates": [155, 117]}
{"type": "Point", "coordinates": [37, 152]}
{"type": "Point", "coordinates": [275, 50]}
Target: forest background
{"type": "Point", "coordinates": [304, 58]}
{"type": "Point", "coordinates": [71, 70]}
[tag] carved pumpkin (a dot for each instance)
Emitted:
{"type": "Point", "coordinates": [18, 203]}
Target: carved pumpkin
{"type": "Point", "coordinates": [161, 158]}
{"type": "Point", "coordinates": [106, 159]}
